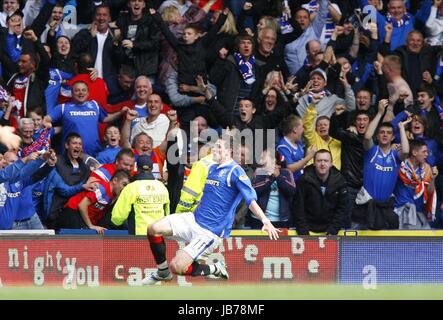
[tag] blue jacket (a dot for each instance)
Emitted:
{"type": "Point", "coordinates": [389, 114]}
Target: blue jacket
{"type": "Point", "coordinates": [26, 208]}
{"type": "Point", "coordinates": [14, 178]}
{"type": "Point", "coordinates": [54, 183]}
{"type": "Point", "coordinates": [286, 191]}
{"type": "Point", "coordinates": [37, 197]}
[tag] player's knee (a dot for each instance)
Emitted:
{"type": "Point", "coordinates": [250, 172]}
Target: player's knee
{"type": "Point", "coordinates": [150, 230]}
{"type": "Point", "coordinates": [153, 229]}
{"type": "Point", "coordinates": [176, 267]}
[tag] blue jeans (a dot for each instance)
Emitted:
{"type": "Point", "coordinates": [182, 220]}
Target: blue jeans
{"type": "Point", "coordinates": [359, 226]}
{"type": "Point", "coordinates": [33, 223]}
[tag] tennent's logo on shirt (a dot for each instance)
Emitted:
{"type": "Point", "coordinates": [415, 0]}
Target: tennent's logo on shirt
{"type": "Point", "coordinates": [385, 169]}
{"type": "Point", "coordinates": [83, 113]}
{"type": "Point", "coordinates": [213, 182]}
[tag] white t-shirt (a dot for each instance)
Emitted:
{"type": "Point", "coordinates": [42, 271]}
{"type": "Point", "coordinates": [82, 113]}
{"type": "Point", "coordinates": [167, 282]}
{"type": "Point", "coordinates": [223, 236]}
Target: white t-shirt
{"type": "Point", "coordinates": [156, 129]}
{"type": "Point", "coordinates": [101, 38]}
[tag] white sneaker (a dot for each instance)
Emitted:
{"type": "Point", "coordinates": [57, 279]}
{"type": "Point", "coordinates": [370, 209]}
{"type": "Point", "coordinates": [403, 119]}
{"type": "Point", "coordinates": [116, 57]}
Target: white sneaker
{"type": "Point", "coordinates": [221, 271]}
{"type": "Point", "coordinates": [154, 278]}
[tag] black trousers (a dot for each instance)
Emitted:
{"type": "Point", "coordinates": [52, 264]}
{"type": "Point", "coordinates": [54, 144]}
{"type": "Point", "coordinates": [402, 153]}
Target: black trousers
{"type": "Point", "coordinates": [70, 219]}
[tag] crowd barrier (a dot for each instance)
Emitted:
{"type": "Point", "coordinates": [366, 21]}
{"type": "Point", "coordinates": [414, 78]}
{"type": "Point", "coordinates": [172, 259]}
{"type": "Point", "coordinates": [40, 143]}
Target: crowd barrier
{"type": "Point", "coordinates": [92, 260]}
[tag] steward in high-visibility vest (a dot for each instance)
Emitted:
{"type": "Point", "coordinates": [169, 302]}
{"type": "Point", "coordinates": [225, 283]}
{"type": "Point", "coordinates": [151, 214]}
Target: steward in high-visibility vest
{"type": "Point", "coordinates": [192, 190]}
{"type": "Point", "coordinates": [146, 197]}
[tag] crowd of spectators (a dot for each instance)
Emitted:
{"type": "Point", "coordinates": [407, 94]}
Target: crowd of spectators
{"type": "Point", "coordinates": [350, 90]}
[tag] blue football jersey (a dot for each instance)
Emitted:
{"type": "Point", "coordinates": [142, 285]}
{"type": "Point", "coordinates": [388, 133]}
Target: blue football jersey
{"type": "Point", "coordinates": [225, 186]}
{"type": "Point", "coordinates": [291, 153]}
{"type": "Point", "coordinates": [82, 119]}
{"type": "Point", "coordinates": [380, 172]}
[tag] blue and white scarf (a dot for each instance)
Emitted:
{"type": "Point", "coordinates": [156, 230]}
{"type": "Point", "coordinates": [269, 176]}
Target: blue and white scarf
{"type": "Point", "coordinates": [285, 26]}
{"type": "Point", "coordinates": [313, 6]}
{"type": "Point", "coordinates": [4, 95]}
{"type": "Point", "coordinates": [321, 95]}
{"type": "Point", "coordinates": [405, 20]}
{"type": "Point", "coordinates": [283, 21]}
{"type": "Point", "coordinates": [246, 68]}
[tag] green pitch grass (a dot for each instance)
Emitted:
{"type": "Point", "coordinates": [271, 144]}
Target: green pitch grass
{"type": "Point", "coordinates": [230, 292]}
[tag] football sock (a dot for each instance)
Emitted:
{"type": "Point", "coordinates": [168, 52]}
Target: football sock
{"type": "Point", "coordinates": [158, 248]}
{"type": "Point", "coordinates": [196, 269]}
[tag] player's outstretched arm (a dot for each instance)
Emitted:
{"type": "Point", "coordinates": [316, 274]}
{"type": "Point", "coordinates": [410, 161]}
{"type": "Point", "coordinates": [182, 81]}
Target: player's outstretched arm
{"type": "Point", "coordinates": [267, 225]}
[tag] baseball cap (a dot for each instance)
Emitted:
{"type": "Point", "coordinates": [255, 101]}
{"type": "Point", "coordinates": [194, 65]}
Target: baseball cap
{"type": "Point", "coordinates": [320, 72]}
{"type": "Point", "coordinates": [144, 162]}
